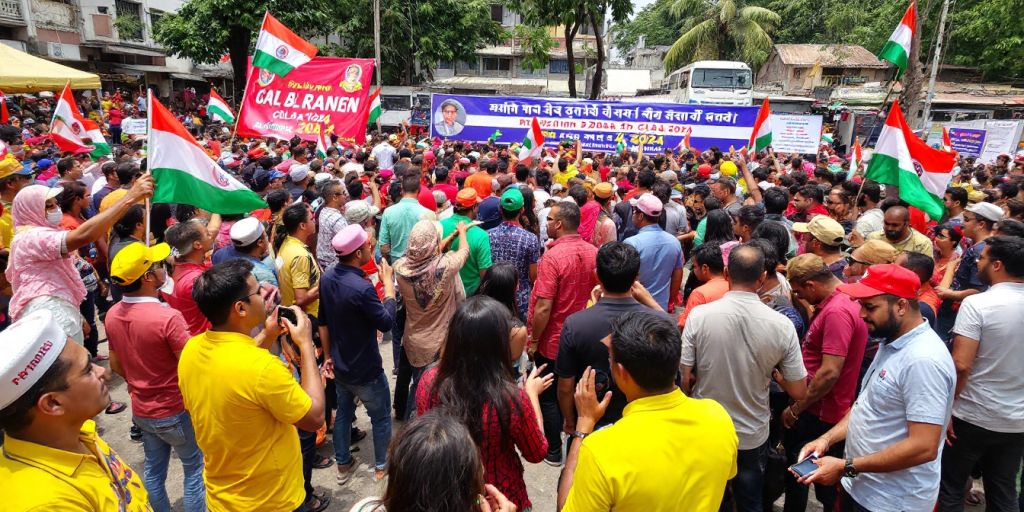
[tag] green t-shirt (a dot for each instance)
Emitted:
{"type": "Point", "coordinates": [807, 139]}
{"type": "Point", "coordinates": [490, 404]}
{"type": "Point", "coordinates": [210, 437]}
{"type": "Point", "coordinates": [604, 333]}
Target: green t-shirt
{"type": "Point", "coordinates": [479, 251]}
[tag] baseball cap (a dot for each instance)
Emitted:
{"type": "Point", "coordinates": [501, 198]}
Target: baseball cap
{"type": "Point", "coordinates": [135, 259]}
{"type": "Point", "coordinates": [512, 199]}
{"type": "Point", "coordinates": [704, 170]}
{"type": "Point", "coordinates": [825, 229]}
{"type": "Point", "coordinates": [10, 166]}
{"type": "Point", "coordinates": [44, 164]}
{"type": "Point", "coordinates": [670, 176]}
{"type": "Point", "coordinates": [804, 267]}
{"type": "Point", "coordinates": [875, 252]}
{"type": "Point", "coordinates": [489, 213]}
{"type": "Point", "coordinates": [886, 279]}
{"type": "Point", "coordinates": [356, 212]}
{"type": "Point", "coordinates": [988, 211]}
{"type": "Point", "coordinates": [604, 190]}
{"type": "Point", "coordinates": [649, 204]}
{"type": "Point", "coordinates": [349, 239]}
{"type": "Point", "coordinates": [467, 197]}
{"type": "Point", "coordinates": [28, 348]}
{"type": "Point", "coordinates": [246, 231]}
{"type": "Point", "coordinates": [275, 174]}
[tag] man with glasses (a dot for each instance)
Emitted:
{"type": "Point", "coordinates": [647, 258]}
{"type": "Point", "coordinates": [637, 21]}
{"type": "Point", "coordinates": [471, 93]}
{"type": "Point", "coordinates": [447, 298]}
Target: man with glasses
{"type": "Point", "coordinates": [832, 351]}
{"type": "Point", "coordinates": [244, 402]}
{"type": "Point", "coordinates": [979, 220]}
{"type": "Point", "coordinates": [146, 337]}
{"type": "Point", "coordinates": [331, 221]}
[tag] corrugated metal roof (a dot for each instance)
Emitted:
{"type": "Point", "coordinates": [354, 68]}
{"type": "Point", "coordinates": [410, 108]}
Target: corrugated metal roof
{"type": "Point", "coordinates": [830, 55]}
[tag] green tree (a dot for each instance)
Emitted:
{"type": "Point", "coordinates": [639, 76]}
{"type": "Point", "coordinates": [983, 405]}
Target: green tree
{"type": "Point", "coordinates": [984, 35]}
{"type": "Point", "coordinates": [655, 22]}
{"type": "Point", "coordinates": [572, 15]}
{"type": "Point", "coordinates": [535, 42]}
{"type": "Point", "coordinates": [721, 29]}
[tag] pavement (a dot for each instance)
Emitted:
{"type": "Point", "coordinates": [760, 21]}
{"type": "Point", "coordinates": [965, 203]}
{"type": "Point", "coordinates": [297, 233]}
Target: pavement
{"type": "Point", "coordinates": [541, 479]}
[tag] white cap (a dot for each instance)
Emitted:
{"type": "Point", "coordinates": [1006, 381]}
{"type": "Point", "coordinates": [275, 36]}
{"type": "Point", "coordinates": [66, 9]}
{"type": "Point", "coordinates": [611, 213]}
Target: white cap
{"type": "Point", "coordinates": [321, 177]}
{"type": "Point", "coordinates": [28, 348]}
{"type": "Point", "coordinates": [298, 172]}
{"type": "Point", "coordinates": [246, 231]}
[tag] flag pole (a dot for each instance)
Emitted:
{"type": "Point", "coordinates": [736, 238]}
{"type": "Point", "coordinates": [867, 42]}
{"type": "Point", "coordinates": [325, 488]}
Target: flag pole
{"type": "Point", "coordinates": [149, 158]}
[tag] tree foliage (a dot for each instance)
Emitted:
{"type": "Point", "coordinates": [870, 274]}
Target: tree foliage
{"type": "Point", "coordinates": [721, 30]}
{"type": "Point", "coordinates": [654, 22]}
{"type": "Point", "coordinates": [535, 42]}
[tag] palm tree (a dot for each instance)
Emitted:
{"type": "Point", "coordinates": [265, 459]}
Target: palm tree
{"type": "Point", "coordinates": [721, 29]}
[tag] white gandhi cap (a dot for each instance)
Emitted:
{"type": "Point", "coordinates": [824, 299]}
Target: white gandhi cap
{"type": "Point", "coordinates": [246, 231]}
{"type": "Point", "coordinates": [28, 348]}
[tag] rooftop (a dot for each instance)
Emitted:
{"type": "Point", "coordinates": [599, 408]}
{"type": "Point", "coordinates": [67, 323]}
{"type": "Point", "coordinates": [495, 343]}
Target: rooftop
{"type": "Point", "coordinates": [829, 55]}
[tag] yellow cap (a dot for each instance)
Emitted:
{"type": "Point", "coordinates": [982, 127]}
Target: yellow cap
{"type": "Point", "coordinates": [135, 260]}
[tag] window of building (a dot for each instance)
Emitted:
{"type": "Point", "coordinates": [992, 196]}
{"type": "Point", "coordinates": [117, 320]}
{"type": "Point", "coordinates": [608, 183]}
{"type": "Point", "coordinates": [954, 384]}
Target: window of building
{"type": "Point", "coordinates": [497, 12]}
{"type": "Point", "coordinates": [559, 66]}
{"type": "Point", "coordinates": [446, 64]}
{"type": "Point", "coordinates": [395, 102]}
{"type": "Point", "coordinates": [128, 22]}
{"type": "Point", "coordinates": [497, 64]}
{"type": "Point", "coordinates": [467, 66]}
{"type": "Point", "coordinates": [154, 17]}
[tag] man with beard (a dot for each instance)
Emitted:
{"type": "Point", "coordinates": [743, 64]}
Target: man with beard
{"type": "Point", "coordinates": [893, 432]}
{"type": "Point", "coordinates": [987, 427]}
{"type": "Point", "coordinates": [897, 231]}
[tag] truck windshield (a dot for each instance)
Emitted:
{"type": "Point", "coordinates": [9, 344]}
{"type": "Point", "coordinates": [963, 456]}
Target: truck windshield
{"type": "Point", "coordinates": [722, 78]}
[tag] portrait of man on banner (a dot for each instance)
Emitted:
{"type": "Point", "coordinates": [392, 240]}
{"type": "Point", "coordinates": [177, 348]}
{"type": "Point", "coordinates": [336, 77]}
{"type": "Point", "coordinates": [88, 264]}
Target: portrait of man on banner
{"type": "Point", "coordinates": [450, 119]}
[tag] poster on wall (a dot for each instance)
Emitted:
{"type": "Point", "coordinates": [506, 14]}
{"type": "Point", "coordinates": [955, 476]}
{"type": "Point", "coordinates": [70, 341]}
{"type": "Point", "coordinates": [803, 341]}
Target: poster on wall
{"type": "Point", "coordinates": [328, 92]}
{"type": "Point", "coordinates": [598, 125]}
{"type": "Point", "coordinates": [793, 133]}
{"type": "Point", "coordinates": [967, 141]}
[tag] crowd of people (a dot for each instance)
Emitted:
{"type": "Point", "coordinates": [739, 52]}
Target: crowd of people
{"type": "Point", "coordinates": [674, 330]}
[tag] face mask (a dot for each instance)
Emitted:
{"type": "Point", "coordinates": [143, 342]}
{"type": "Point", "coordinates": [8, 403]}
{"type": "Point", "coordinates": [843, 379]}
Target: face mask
{"type": "Point", "coordinates": [168, 286]}
{"type": "Point", "coordinates": [54, 216]}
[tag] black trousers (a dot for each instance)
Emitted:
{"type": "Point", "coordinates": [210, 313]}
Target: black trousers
{"type": "Point", "coordinates": [307, 442]}
{"type": "Point", "coordinates": [848, 504]}
{"type": "Point", "coordinates": [549, 408]}
{"type": "Point", "coordinates": [807, 428]}
{"type": "Point", "coordinates": [997, 454]}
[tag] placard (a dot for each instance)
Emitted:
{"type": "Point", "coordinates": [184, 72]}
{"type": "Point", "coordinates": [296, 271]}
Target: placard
{"type": "Point", "coordinates": [967, 141]}
{"type": "Point", "coordinates": [132, 126]}
{"type": "Point", "coordinates": [792, 133]}
{"type": "Point", "coordinates": [326, 91]}
{"type": "Point", "coordinates": [598, 125]}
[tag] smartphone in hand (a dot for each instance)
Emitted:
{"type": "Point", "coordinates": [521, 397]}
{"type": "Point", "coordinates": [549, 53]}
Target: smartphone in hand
{"type": "Point", "coordinates": [805, 467]}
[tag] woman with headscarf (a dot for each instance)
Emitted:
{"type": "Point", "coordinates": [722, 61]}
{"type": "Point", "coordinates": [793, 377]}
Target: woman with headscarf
{"type": "Point", "coordinates": [41, 270]}
{"type": "Point", "coordinates": [428, 281]}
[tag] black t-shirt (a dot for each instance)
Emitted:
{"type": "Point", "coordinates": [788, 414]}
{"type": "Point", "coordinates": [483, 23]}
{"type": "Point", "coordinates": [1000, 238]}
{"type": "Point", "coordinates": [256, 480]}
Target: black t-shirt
{"type": "Point", "coordinates": [580, 346]}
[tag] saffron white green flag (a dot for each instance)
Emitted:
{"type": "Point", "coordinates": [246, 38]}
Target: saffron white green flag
{"type": "Point", "coordinates": [279, 50]}
{"type": "Point", "coordinates": [321, 143]}
{"type": "Point", "coordinates": [761, 136]}
{"type": "Point", "coordinates": [185, 174]}
{"type": "Point", "coordinates": [897, 48]}
{"type": "Point", "coordinates": [533, 143]}
{"type": "Point", "coordinates": [902, 159]}
{"type": "Point", "coordinates": [375, 109]}
{"type": "Point", "coordinates": [219, 109]}
{"type": "Point", "coordinates": [96, 138]}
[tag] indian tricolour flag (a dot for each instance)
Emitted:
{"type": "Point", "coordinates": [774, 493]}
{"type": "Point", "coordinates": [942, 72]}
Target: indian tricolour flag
{"type": "Point", "coordinates": [67, 128]}
{"type": "Point", "coordinates": [897, 48]}
{"type": "Point", "coordinates": [98, 141]}
{"type": "Point", "coordinates": [279, 50]}
{"type": "Point", "coordinates": [185, 174]}
{"type": "Point", "coordinates": [321, 143]}
{"type": "Point", "coordinates": [218, 108]}
{"type": "Point", "coordinates": [856, 156]}
{"type": "Point", "coordinates": [533, 143]}
{"type": "Point", "coordinates": [902, 159]}
{"type": "Point", "coordinates": [375, 109]}
{"type": "Point", "coordinates": [761, 136]}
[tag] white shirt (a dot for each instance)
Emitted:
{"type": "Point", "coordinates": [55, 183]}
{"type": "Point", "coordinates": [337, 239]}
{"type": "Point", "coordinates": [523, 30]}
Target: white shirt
{"type": "Point", "coordinates": [993, 398]}
{"type": "Point", "coordinates": [352, 166]}
{"type": "Point", "coordinates": [384, 153]}
{"type": "Point", "coordinates": [869, 222]}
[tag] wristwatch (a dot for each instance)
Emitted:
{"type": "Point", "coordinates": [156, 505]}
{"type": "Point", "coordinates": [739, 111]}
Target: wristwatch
{"type": "Point", "coordinates": [848, 470]}
{"type": "Point", "coordinates": [579, 435]}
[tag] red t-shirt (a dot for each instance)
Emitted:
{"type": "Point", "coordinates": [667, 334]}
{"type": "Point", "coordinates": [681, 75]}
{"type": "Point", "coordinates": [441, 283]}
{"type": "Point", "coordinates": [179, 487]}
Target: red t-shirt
{"type": "Point", "coordinates": [185, 275]}
{"type": "Point", "coordinates": [837, 330]}
{"type": "Point", "coordinates": [426, 199]}
{"type": "Point", "coordinates": [502, 465]}
{"type": "Point", "coordinates": [565, 275]}
{"type": "Point", "coordinates": [147, 338]}
{"type": "Point", "coordinates": [450, 191]}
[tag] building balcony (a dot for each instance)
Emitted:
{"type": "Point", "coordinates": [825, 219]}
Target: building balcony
{"type": "Point", "coordinates": [10, 13]}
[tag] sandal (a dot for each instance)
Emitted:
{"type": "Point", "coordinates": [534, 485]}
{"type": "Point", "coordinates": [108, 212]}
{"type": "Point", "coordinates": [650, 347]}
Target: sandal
{"type": "Point", "coordinates": [116, 407]}
{"type": "Point", "coordinates": [318, 503]}
{"type": "Point", "coordinates": [323, 462]}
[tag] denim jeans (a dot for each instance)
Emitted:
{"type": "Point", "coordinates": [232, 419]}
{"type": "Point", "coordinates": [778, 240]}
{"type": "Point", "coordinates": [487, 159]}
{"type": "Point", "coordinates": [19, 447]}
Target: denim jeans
{"type": "Point", "coordinates": [376, 397]}
{"type": "Point", "coordinates": [747, 487]}
{"type": "Point", "coordinates": [88, 310]}
{"type": "Point", "coordinates": [807, 428]}
{"type": "Point", "coordinates": [410, 405]}
{"type": "Point", "coordinates": [997, 454]}
{"type": "Point", "coordinates": [158, 438]}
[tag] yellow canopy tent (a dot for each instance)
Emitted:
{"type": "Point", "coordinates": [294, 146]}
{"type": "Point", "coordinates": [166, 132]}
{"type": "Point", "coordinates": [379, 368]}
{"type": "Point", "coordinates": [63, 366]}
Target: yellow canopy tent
{"type": "Point", "coordinates": [21, 72]}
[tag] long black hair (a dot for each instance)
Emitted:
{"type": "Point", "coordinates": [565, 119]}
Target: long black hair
{"type": "Point", "coordinates": [433, 466]}
{"type": "Point", "coordinates": [719, 227]}
{"type": "Point", "coordinates": [500, 284]}
{"type": "Point", "coordinates": [475, 371]}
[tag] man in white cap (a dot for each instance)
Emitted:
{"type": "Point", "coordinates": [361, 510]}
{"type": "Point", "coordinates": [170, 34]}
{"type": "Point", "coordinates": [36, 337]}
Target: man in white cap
{"type": "Point", "coordinates": [360, 212]}
{"type": "Point", "coordinates": [146, 337]}
{"type": "Point", "coordinates": [331, 221]}
{"type": "Point", "coordinates": [53, 458]}
{"type": "Point", "coordinates": [299, 177]}
{"type": "Point", "coordinates": [979, 221]}
{"type": "Point", "coordinates": [249, 242]}
{"type": "Point", "coordinates": [661, 256]}
{"type": "Point", "coordinates": [352, 314]}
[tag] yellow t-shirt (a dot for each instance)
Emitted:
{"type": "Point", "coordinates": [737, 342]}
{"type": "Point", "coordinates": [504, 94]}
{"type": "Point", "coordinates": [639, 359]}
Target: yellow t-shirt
{"type": "Point", "coordinates": [244, 404]}
{"type": "Point", "coordinates": [6, 227]}
{"type": "Point", "coordinates": [562, 178]}
{"type": "Point", "coordinates": [296, 268]}
{"type": "Point", "coordinates": [916, 242]}
{"type": "Point", "coordinates": [36, 477]}
{"type": "Point", "coordinates": [669, 452]}
{"type": "Point", "coordinates": [111, 198]}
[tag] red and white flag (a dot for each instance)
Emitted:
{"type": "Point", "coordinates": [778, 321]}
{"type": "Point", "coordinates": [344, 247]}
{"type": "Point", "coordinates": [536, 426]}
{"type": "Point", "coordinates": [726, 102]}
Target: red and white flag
{"type": "Point", "coordinates": [533, 143]}
{"type": "Point", "coordinates": [3, 108]}
{"type": "Point", "coordinates": [279, 50]}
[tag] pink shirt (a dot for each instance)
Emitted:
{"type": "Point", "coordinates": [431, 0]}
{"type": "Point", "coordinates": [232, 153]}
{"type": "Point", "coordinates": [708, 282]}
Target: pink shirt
{"type": "Point", "coordinates": [38, 268]}
{"type": "Point", "coordinates": [147, 337]}
{"type": "Point", "coordinates": [565, 275]}
{"type": "Point", "coordinates": [185, 275]}
{"type": "Point", "coordinates": [837, 330]}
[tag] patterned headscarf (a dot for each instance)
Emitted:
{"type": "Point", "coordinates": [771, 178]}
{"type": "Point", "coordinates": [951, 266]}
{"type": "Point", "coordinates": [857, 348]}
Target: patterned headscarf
{"type": "Point", "coordinates": [422, 264]}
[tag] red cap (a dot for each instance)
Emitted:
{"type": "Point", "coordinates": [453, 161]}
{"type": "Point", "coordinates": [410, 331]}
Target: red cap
{"type": "Point", "coordinates": [704, 170]}
{"type": "Point", "coordinates": [886, 279]}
